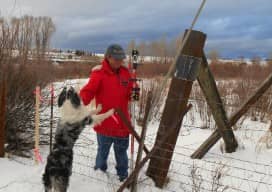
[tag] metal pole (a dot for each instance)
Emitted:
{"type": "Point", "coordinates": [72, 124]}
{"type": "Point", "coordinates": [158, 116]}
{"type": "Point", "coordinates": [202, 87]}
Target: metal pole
{"type": "Point", "coordinates": [51, 116]}
{"type": "Point", "coordinates": [173, 65]}
{"type": "Point", "coordinates": [132, 138]}
{"type": "Point", "coordinates": [135, 54]}
{"type": "Point", "coordinates": [2, 117]}
{"type": "Point", "coordinates": [37, 121]}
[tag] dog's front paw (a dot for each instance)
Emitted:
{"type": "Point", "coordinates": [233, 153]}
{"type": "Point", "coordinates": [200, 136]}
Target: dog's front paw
{"type": "Point", "coordinates": [98, 119]}
{"type": "Point", "coordinates": [110, 112]}
{"type": "Point", "coordinates": [99, 108]}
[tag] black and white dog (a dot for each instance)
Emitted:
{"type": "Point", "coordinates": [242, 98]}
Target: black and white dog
{"type": "Point", "coordinates": [74, 117]}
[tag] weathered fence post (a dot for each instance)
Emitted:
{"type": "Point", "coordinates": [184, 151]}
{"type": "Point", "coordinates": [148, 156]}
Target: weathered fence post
{"type": "Point", "coordinates": [141, 144]}
{"type": "Point", "coordinates": [210, 91]}
{"type": "Point", "coordinates": [131, 128]}
{"type": "Point", "coordinates": [2, 117]}
{"type": "Point", "coordinates": [205, 147]}
{"type": "Point", "coordinates": [149, 154]}
{"type": "Point", "coordinates": [187, 67]}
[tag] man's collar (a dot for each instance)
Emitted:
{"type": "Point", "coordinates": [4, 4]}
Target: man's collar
{"type": "Point", "coordinates": [108, 68]}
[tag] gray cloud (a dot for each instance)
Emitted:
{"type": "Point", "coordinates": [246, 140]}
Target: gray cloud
{"type": "Point", "coordinates": [234, 27]}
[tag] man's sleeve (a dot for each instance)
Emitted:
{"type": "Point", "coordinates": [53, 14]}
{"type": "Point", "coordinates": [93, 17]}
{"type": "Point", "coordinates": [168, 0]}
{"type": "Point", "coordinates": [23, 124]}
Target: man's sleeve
{"type": "Point", "coordinates": [88, 92]}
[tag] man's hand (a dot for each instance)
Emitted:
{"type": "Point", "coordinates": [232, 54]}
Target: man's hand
{"type": "Point", "coordinates": [135, 95]}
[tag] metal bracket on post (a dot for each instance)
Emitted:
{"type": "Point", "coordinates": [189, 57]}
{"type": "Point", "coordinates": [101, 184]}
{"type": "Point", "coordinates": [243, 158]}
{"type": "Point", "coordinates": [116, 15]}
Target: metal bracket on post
{"type": "Point", "coordinates": [188, 67]}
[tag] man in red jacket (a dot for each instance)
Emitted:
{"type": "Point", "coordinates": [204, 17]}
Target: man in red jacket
{"type": "Point", "coordinates": [110, 85]}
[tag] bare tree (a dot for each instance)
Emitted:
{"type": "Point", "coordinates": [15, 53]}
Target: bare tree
{"type": "Point", "coordinates": [163, 49]}
{"type": "Point", "coordinates": [269, 62]}
{"type": "Point", "coordinates": [172, 47]}
{"type": "Point", "coordinates": [131, 46]}
{"type": "Point", "coordinates": [24, 39]}
{"type": "Point", "coordinates": [155, 51]}
{"type": "Point", "coordinates": [37, 37]}
{"type": "Point", "coordinates": [17, 37]}
{"type": "Point", "coordinates": [47, 30]}
{"type": "Point", "coordinates": [143, 50]}
{"type": "Point", "coordinates": [213, 55]}
{"type": "Point", "coordinates": [256, 60]}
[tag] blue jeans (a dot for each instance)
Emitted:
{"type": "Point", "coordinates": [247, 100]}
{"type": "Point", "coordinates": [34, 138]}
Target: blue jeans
{"type": "Point", "coordinates": [120, 146]}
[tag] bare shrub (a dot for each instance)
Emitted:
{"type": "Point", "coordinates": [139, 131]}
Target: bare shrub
{"type": "Point", "coordinates": [154, 69]}
{"type": "Point", "coordinates": [200, 181]}
{"type": "Point", "coordinates": [201, 107]}
{"type": "Point", "coordinates": [24, 68]}
{"type": "Point", "coordinates": [151, 85]}
{"type": "Point", "coordinates": [265, 141]}
{"type": "Point", "coordinates": [217, 177]}
{"type": "Point", "coordinates": [261, 110]}
{"type": "Point", "coordinates": [73, 70]}
{"type": "Point", "coordinates": [225, 70]}
{"type": "Point", "coordinates": [239, 70]}
{"type": "Point", "coordinates": [239, 80]}
{"type": "Point", "coordinates": [196, 178]}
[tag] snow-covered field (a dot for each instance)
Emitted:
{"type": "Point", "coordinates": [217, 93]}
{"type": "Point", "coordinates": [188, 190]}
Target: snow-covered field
{"type": "Point", "coordinates": [248, 170]}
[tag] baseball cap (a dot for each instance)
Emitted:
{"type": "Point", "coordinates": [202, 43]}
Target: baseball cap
{"type": "Point", "coordinates": [116, 51]}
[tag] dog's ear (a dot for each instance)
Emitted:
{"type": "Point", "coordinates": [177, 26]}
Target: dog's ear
{"type": "Point", "coordinates": [62, 97]}
{"type": "Point", "coordinates": [75, 100]}
{"type": "Point", "coordinates": [74, 97]}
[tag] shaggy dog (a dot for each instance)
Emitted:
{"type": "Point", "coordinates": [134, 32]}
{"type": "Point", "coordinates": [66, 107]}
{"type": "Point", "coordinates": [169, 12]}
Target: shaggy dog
{"type": "Point", "coordinates": [74, 117]}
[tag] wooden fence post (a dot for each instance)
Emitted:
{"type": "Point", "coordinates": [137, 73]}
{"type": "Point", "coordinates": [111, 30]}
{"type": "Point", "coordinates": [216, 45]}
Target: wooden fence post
{"type": "Point", "coordinates": [141, 144]}
{"type": "Point", "coordinates": [205, 147]}
{"type": "Point", "coordinates": [187, 67]}
{"type": "Point", "coordinates": [149, 155]}
{"type": "Point", "coordinates": [209, 89]}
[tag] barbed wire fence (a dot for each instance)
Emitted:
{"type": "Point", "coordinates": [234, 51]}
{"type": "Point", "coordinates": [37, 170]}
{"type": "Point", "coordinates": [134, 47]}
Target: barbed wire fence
{"type": "Point", "coordinates": [216, 172]}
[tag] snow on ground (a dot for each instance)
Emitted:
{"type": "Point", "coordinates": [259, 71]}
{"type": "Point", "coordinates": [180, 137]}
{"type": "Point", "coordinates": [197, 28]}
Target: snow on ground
{"type": "Point", "coordinates": [247, 170]}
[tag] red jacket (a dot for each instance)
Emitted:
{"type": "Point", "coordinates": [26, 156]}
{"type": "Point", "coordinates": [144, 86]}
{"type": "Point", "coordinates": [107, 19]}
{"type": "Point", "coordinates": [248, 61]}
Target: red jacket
{"type": "Point", "coordinates": [112, 90]}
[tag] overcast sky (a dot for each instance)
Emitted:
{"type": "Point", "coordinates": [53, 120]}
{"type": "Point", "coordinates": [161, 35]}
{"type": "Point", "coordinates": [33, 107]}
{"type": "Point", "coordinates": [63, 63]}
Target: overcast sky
{"type": "Point", "coordinates": [233, 27]}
